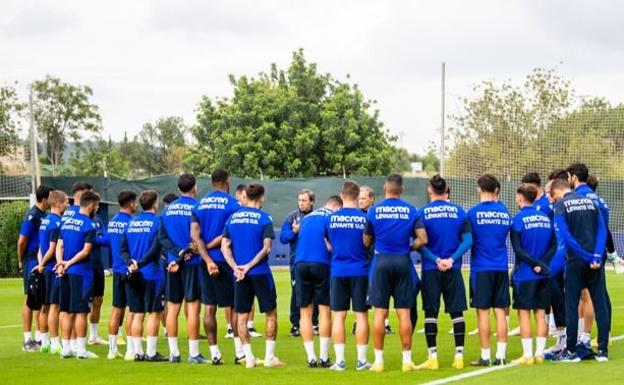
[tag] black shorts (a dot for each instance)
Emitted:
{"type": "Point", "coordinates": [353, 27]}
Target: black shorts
{"type": "Point", "coordinates": [217, 290]}
{"type": "Point", "coordinates": [312, 284]}
{"type": "Point", "coordinates": [29, 263]}
{"type": "Point", "coordinates": [260, 286]}
{"type": "Point", "coordinates": [531, 295]}
{"type": "Point", "coordinates": [448, 284]}
{"type": "Point", "coordinates": [76, 292]}
{"type": "Point", "coordinates": [489, 289]}
{"type": "Point", "coordinates": [392, 276]}
{"type": "Point", "coordinates": [349, 290]}
{"type": "Point", "coordinates": [174, 288]}
{"type": "Point", "coordinates": [191, 278]}
{"type": "Point", "coordinates": [51, 287]}
{"type": "Point", "coordinates": [98, 282]}
{"type": "Point", "coordinates": [120, 300]}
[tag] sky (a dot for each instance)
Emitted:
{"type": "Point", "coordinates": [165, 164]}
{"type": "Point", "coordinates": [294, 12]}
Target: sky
{"type": "Point", "coordinates": [149, 59]}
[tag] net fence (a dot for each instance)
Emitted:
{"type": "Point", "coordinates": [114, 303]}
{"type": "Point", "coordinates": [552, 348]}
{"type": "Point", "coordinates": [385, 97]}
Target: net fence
{"type": "Point", "coordinates": [15, 166]}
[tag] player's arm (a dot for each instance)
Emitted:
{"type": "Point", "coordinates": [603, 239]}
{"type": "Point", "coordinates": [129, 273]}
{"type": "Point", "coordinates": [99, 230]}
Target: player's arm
{"type": "Point", "coordinates": [101, 237]}
{"type": "Point", "coordinates": [168, 247]}
{"type": "Point", "coordinates": [215, 243]}
{"type": "Point", "coordinates": [51, 250]}
{"type": "Point", "coordinates": [563, 231]}
{"type": "Point", "coordinates": [26, 232]}
{"type": "Point", "coordinates": [287, 234]}
{"type": "Point", "coordinates": [151, 255]}
{"type": "Point", "coordinates": [267, 243]}
{"type": "Point", "coordinates": [369, 232]}
{"type": "Point", "coordinates": [421, 235]}
{"type": "Point", "coordinates": [519, 251]}
{"type": "Point", "coordinates": [201, 247]}
{"type": "Point", "coordinates": [466, 242]}
{"type": "Point", "coordinates": [124, 250]}
{"type": "Point", "coordinates": [86, 250]}
{"type": "Point", "coordinates": [550, 253]}
{"type": "Point", "coordinates": [226, 249]}
{"type": "Point", "coordinates": [601, 239]}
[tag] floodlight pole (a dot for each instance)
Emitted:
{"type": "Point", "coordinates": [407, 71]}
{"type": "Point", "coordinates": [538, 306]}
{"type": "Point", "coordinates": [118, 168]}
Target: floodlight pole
{"type": "Point", "coordinates": [442, 128]}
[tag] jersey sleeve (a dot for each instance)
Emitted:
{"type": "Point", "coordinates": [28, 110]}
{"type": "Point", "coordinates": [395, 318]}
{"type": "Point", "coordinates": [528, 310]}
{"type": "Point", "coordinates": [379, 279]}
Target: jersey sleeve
{"type": "Point", "coordinates": [90, 236]}
{"type": "Point", "coordinates": [267, 230]}
{"type": "Point", "coordinates": [28, 227]}
{"type": "Point", "coordinates": [54, 234]}
{"type": "Point", "coordinates": [226, 232]}
{"type": "Point", "coordinates": [370, 218]}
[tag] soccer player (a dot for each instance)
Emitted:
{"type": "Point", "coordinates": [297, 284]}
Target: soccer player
{"type": "Point", "coordinates": [449, 237]}
{"type": "Point", "coordinates": [312, 260]}
{"type": "Point", "coordinates": [73, 249]}
{"type": "Point", "coordinates": [534, 244]}
{"type": "Point", "coordinates": [289, 235]}
{"type": "Point", "coordinates": [27, 248]}
{"type": "Point", "coordinates": [101, 241]}
{"type": "Point", "coordinates": [183, 271]}
{"type": "Point", "coordinates": [349, 275]}
{"type": "Point", "coordinates": [390, 226]}
{"type": "Point", "coordinates": [209, 219]}
{"type": "Point", "coordinates": [141, 251]}
{"type": "Point", "coordinates": [541, 201]}
{"type": "Point", "coordinates": [167, 199]}
{"type": "Point", "coordinates": [489, 279]}
{"type": "Point", "coordinates": [116, 227]}
{"type": "Point", "coordinates": [580, 227]}
{"type": "Point", "coordinates": [246, 245]}
{"type": "Point", "coordinates": [48, 236]}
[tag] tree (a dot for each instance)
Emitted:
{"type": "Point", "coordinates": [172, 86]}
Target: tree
{"type": "Point", "coordinates": [10, 113]}
{"type": "Point", "coordinates": [159, 147]}
{"type": "Point", "coordinates": [99, 158]}
{"type": "Point", "coordinates": [290, 123]}
{"type": "Point", "coordinates": [63, 111]}
{"type": "Point", "coordinates": [430, 160]}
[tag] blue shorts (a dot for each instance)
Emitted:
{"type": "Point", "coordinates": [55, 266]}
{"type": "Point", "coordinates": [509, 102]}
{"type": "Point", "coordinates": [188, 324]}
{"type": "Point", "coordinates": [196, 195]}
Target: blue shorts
{"type": "Point", "coordinates": [532, 295]}
{"type": "Point", "coordinates": [392, 276]}
{"type": "Point", "coordinates": [349, 290]}
{"type": "Point", "coordinates": [120, 300]}
{"type": "Point", "coordinates": [489, 289]}
{"type": "Point", "coordinates": [76, 291]}
{"type": "Point", "coordinates": [557, 299]}
{"type": "Point", "coordinates": [311, 284]}
{"type": "Point", "coordinates": [217, 290]}
{"type": "Point", "coordinates": [259, 286]}
{"type": "Point", "coordinates": [174, 288]}
{"type": "Point", "coordinates": [146, 296]}
{"type": "Point", "coordinates": [448, 284]}
{"type": "Point", "coordinates": [52, 287]}
{"type": "Point", "coordinates": [98, 281]}
{"type": "Point", "coordinates": [28, 263]}
{"type": "Point", "coordinates": [191, 279]}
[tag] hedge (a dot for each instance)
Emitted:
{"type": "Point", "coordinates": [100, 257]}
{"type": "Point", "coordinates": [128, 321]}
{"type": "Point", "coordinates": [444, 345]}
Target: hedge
{"type": "Point", "coordinates": [11, 216]}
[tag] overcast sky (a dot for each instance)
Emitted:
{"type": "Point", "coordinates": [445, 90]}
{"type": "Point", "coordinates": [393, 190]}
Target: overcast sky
{"type": "Point", "coordinates": [147, 59]}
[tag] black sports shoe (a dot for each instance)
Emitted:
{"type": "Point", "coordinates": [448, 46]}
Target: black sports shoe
{"type": "Point", "coordinates": [315, 328]}
{"type": "Point", "coordinates": [294, 331]}
{"type": "Point", "coordinates": [156, 358]}
{"type": "Point", "coordinates": [584, 352]}
{"type": "Point", "coordinates": [389, 330]}
{"type": "Point", "coordinates": [481, 362]}
{"type": "Point", "coordinates": [139, 357]}
{"type": "Point", "coordinates": [237, 360]}
{"type": "Point", "coordinates": [325, 363]}
{"type": "Point", "coordinates": [312, 364]}
{"type": "Point", "coordinates": [602, 356]}
{"type": "Point", "coordinates": [175, 359]}
{"type": "Point", "coordinates": [499, 362]}
{"type": "Point", "coordinates": [216, 361]}
{"type": "Point", "coordinates": [354, 326]}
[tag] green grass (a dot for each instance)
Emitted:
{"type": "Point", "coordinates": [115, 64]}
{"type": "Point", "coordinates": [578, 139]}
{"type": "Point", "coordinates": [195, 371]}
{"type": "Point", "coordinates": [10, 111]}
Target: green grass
{"type": "Point", "coordinates": [19, 367]}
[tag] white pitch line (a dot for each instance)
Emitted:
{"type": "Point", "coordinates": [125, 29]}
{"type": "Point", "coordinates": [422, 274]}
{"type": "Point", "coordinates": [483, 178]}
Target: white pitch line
{"type": "Point", "coordinates": [617, 338]}
{"type": "Point", "coordinates": [10, 326]}
{"type": "Point", "coordinates": [469, 374]}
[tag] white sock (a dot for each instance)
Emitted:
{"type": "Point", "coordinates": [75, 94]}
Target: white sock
{"type": "Point", "coordinates": [459, 351]}
{"type": "Point", "coordinates": [309, 349]}
{"type": "Point", "coordinates": [173, 346]}
{"type": "Point", "coordinates": [433, 353]}
{"type": "Point", "coordinates": [407, 356]}
{"type": "Point", "coordinates": [561, 339]}
{"type": "Point", "coordinates": [238, 347]}
{"type": "Point", "coordinates": [339, 350]}
{"type": "Point", "coordinates": [81, 345]}
{"type": "Point", "coordinates": [93, 332]}
{"type": "Point", "coordinates": [120, 331]}
{"type": "Point", "coordinates": [486, 354]}
{"type": "Point", "coordinates": [581, 326]}
{"type": "Point", "coordinates": [128, 341]}
{"type": "Point", "coordinates": [361, 352]}
{"type": "Point", "coordinates": [112, 343]}
{"type": "Point", "coordinates": [540, 344]}
{"type": "Point", "coordinates": [27, 336]}
{"type": "Point", "coordinates": [214, 351]}
{"type": "Point", "coordinates": [269, 354]}
{"type": "Point", "coordinates": [151, 345]}
{"type": "Point", "coordinates": [250, 324]}
{"type": "Point", "coordinates": [138, 345]}
{"type": "Point", "coordinates": [73, 345]}
{"type": "Point", "coordinates": [229, 326]}
{"type": "Point", "coordinates": [193, 348]}
{"type": "Point", "coordinates": [551, 321]}
{"type": "Point", "coordinates": [37, 335]}
{"type": "Point", "coordinates": [324, 353]}
{"type": "Point", "coordinates": [386, 322]}
{"type": "Point", "coordinates": [66, 348]}
{"type": "Point", "coordinates": [45, 339]}
{"type": "Point", "coordinates": [585, 337]}
{"type": "Point", "coordinates": [379, 357]}
{"type": "Point", "coordinates": [54, 342]}
{"type": "Point", "coordinates": [527, 347]}
{"type": "Point", "coordinates": [248, 353]}
{"type": "Point", "coordinates": [501, 350]}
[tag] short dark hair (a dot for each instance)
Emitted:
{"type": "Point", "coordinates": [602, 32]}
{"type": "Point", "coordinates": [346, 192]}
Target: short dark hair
{"type": "Point", "coordinates": [308, 192]}
{"type": "Point", "coordinates": [240, 187]}
{"type": "Point", "coordinates": [219, 176]}
{"type": "Point", "coordinates": [580, 171]}
{"type": "Point", "coordinates": [334, 199]}
{"type": "Point", "coordinates": [371, 192]}
{"type": "Point", "coordinates": [488, 183]}
{"type": "Point", "coordinates": [532, 178]}
{"type": "Point", "coordinates": [560, 184]}
{"type": "Point", "coordinates": [88, 198]}
{"type": "Point", "coordinates": [558, 173]}
{"type": "Point", "coordinates": [125, 197]}
{"type": "Point", "coordinates": [147, 199]}
{"type": "Point", "coordinates": [350, 189]}
{"type": "Point", "coordinates": [169, 198]}
{"type": "Point", "coordinates": [395, 183]}
{"type": "Point", "coordinates": [186, 182]}
{"type": "Point", "coordinates": [81, 186]}
{"type": "Point", "coordinates": [254, 191]}
{"type": "Point", "coordinates": [438, 184]}
{"type": "Point", "coordinates": [592, 182]}
{"type": "Point", "coordinates": [43, 192]}
{"type": "Point", "coordinates": [528, 192]}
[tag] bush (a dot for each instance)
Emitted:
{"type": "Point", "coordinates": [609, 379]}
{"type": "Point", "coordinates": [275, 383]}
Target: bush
{"type": "Point", "coordinates": [11, 216]}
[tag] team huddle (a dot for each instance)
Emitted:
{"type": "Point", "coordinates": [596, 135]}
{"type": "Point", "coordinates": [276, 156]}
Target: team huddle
{"type": "Point", "coordinates": [345, 256]}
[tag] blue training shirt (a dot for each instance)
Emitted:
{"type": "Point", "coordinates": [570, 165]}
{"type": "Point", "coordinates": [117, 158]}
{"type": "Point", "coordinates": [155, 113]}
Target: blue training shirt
{"type": "Point", "coordinates": [70, 212]}
{"type": "Point", "coordinates": [344, 230]}
{"type": "Point", "coordinates": [586, 191]}
{"type": "Point", "coordinates": [247, 229]}
{"type": "Point", "coordinates": [445, 223]}
{"type": "Point", "coordinates": [535, 231]}
{"type": "Point", "coordinates": [30, 230]}
{"type": "Point", "coordinates": [76, 231]}
{"type": "Point", "coordinates": [543, 204]}
{"type": "Point", "coordinates": [49, 232]}
{"type": "Point", "coordinates": [211, 213]}
{"type": "Point", "coordinates": [176, 220]}
{"type": "Point", "coordinates": [141, 237]}
{"type": "Point", "coordinates": [392, 222]}
{"type": "Point", "coordinates": [490, 222]}
{"type": "Point", "coordinates": [311, 245]}
{"type": "Point", "coordinates": [116, 227]}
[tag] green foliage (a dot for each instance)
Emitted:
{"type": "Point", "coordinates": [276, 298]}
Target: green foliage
{"type": "Point", "coordinates": [99, 157]}
{"type": "Point", "coordinates": [10, 113]}
{"type": "Point", "coordinates": [292, 123]}
{"type": "Point", "coordinates": [63, 111]}
{"type": "Point", "coordinates": [11, 216]}
{"type": "Point", "coordinates": [401, 161]}
{"type": "Point", "coordinates": [430, 160]}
